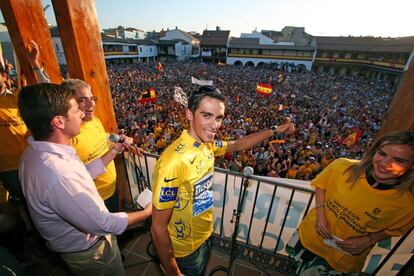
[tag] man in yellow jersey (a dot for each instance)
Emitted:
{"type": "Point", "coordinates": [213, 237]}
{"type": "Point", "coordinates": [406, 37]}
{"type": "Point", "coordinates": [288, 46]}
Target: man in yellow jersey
{"type": "Point", "coordinates": [183, 184]}
{"type": "Point", "coordinates": [13, 130]}
{"type": "Point", "coordinates": [92, 141]}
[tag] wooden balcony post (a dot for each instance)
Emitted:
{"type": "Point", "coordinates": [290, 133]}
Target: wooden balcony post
{"type": "Point", "coordinates": [79, 31]}
{"type": "Point", "coordinates": [81, 39]}
{"type": "Point", "coordinates": [400, 114]}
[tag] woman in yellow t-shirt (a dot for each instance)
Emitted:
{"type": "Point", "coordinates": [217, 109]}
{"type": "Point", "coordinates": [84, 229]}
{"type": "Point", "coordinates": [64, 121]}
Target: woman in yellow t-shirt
{"type": "Point", "coordinates": [292, 172]}
{"type": "Point", "coordinates": [358, 203]}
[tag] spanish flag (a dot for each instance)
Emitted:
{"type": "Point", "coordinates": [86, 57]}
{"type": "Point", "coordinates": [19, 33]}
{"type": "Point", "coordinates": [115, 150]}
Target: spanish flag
{"type": "Point", "coordinates": [264, 89]}
{"type": "Point", "coordinates": [352, 138]}
{"type": "Point", "coordinates": [148, 96]}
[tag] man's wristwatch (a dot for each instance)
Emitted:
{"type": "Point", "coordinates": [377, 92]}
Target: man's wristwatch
{"type": "Point", "coordinates": [274, 128]}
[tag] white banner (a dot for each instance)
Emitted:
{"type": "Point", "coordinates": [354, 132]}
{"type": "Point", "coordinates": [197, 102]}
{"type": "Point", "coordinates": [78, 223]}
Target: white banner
{"type": "Point", "coordinates": [180, 96]}
{"type": "Point", "coordinates": [253, 221]}
{"type": "Point", "coordinates": [201, 82]}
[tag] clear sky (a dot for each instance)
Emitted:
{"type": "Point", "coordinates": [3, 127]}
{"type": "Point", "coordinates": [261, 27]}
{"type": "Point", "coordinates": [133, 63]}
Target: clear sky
{"type": "Point", "coordinates": [319, 17]}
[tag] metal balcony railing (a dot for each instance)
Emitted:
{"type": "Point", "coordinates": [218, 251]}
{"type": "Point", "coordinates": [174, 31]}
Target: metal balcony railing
{"type": "Point", "coordinates": [271, 211]}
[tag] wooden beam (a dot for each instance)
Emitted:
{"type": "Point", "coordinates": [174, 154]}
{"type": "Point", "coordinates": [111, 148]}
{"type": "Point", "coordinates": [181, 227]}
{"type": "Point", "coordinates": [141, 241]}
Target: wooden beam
{"type": "Point", "coordinates": [122, 184]}
{"type": "Point", "coordinates": [25, 20]}
{"type": "Point", "coordinates": [81, 39]}
{"type": "Point", "coordinates": [400, 114]}
{"type": "Point", "coordinates": [79, 31]}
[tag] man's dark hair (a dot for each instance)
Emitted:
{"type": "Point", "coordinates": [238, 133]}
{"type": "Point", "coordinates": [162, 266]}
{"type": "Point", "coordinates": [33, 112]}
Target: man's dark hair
{"type": "Point", "coordinates": [39, 103]}
{"type": "Point", "coordinates": [204, 91]}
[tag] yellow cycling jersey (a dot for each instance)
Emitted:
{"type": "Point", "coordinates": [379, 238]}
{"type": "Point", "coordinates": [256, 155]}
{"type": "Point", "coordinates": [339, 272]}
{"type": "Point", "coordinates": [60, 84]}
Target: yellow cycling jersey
{"type": "Point", "coordinates": [13, 133]}
{"type": "Point", "coordinates": [92, 143]}
{"type": "Point", "coordinates": [183, 180]}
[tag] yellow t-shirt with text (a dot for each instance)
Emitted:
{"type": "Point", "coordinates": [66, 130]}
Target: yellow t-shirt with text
{"type": "Point", "coordinates": [13, 133]}
{"type": "Point", "coordinates": [92, 143]}
{"type": "Point", "coordinates": [353, 211]}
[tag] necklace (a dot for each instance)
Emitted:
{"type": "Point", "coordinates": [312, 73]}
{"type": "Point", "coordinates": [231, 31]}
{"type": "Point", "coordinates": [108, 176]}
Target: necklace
{"type": "Point", "coordinates": [378, 185]}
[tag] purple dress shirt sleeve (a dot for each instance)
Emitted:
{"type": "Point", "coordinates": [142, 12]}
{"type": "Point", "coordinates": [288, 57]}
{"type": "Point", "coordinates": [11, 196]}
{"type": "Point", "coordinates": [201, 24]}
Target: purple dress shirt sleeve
{"type": "Point", "coordinates": [81, 206]}
{"type": "Point", "coordinates": [95, 168]}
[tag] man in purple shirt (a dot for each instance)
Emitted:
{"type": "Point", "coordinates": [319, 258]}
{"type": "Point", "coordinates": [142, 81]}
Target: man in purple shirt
{"type": "Point", "coordinates": [61, 195]}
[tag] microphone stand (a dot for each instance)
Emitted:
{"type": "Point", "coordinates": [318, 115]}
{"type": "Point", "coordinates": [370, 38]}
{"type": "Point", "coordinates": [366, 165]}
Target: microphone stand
{"type": "Point", "coordinates": [233, 246]}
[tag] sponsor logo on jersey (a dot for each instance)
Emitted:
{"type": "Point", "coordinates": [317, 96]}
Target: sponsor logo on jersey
{"type": "Point", "coordinates": [168, 194]}
{"type": "Point", "coordinates": [166, 180]}
{"type": "Point", "coordinates": [373, 215]}
{"type": "Point", "coordinates": [192, 161]}
{"type": "Point", "coordinates": [200, 166]}
{"type": "Point", "coordinates": [181, 202]}
{"type": "Point", "coordinates": [180, 148]}
{"type": "Point", "coordinates": [218, 143]}
{"type": "Point", "coordinates": [182, 229]}
{"type": "Point", "coordinates": [203, 195]}
{"type": "Point", "coordinates": [196, 144]}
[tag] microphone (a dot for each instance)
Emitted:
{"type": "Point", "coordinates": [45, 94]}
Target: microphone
{"type": "Point", "coordinates": [248, 171]}
{"type": "Point", "coordinates": [115, 138]}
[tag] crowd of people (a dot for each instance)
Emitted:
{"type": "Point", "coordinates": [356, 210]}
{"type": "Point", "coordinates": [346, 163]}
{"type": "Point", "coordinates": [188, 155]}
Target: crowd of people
{"type": "Point", "coordinates": [336, 116]}
{"type": "Point", "coordinates": [74, 209]}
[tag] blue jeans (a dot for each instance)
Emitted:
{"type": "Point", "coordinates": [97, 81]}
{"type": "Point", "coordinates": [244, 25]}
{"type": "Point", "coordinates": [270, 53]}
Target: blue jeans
{"type": "Point", "coordinates": [195, 263]}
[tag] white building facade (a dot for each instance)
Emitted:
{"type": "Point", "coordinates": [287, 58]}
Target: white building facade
{"type": "Point", "coordinates": [291, 46]}
{"type": "Point", "coordinates": [186, 46]}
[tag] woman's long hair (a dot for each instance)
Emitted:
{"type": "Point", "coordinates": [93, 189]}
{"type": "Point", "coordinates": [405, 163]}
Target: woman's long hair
{"type": "Point", "coordinates": [365, 166]}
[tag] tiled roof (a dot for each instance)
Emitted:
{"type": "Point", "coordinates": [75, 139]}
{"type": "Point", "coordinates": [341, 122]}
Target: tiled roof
{"type": "Point", "coordinates": [272, 34]}
{"type": "Point", "coordinates": [366, 44]}
{"type": "Point", "coordinates": [253, 43]}
{"type": "Point", "coordinates": [215, 38]}
{"type": "Point", "coordinates": [243, 41]}
{"type": "Point", "coordinates": [187, 34]}
{"type": "Point", "coordinates": [171, 42]}
{"type": "Point", "coordinates": [106, 38]}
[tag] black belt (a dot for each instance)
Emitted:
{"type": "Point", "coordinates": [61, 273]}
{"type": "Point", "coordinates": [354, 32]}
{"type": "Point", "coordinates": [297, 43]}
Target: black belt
{"type": "Point", "coordinates": [101, 238]}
